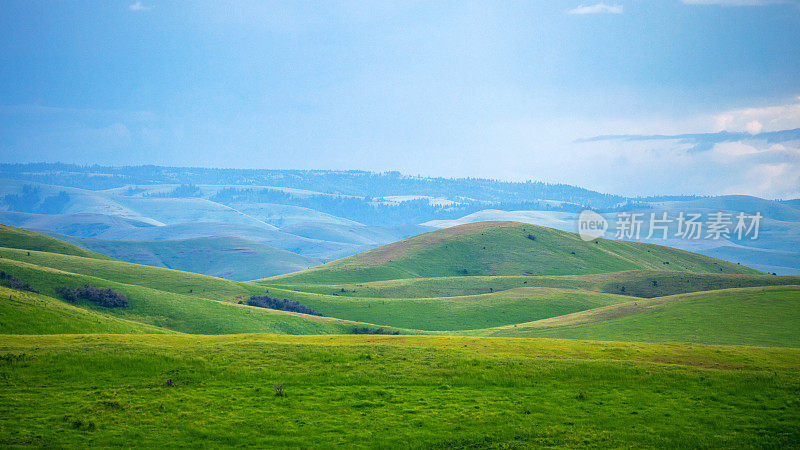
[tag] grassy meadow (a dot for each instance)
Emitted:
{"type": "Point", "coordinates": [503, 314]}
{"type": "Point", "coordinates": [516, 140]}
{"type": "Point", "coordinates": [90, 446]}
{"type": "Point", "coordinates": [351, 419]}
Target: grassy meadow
{"type": "Point", "coordinates": [398, 391]}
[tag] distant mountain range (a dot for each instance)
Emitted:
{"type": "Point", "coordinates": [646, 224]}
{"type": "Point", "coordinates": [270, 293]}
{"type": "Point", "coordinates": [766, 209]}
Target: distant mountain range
{"type": "Point", "coordinates": [259, 223]}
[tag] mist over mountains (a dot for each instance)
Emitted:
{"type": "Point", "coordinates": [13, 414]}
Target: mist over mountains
{"type": "Point", "coordinates": [269, 222]}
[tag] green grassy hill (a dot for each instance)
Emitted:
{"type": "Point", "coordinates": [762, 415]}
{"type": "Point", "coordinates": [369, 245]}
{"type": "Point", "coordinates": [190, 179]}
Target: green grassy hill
{"type": "Point", "coordinates": [29, 313]}
{"type": "Point", "coordinates": [174, 300]}
{"type": "Point", "coordinates": [636, 283]}
{"type": "Point", "coordinates": [193, 303]}
{"type": "Point", "coordinates": [166, 280]}
{"type": "Point", "coordinates": [766, 316]}
{"type": "Point", "coordinates": [13, 237]}
{"type": "Point", "coordinates": [222, 256]}
{"type": "Point", "coordinates": [455, 313]}
{"type": "Point", "coordinates": [505, 248]}
{"type": "Point", "coordinates": [186, 313]}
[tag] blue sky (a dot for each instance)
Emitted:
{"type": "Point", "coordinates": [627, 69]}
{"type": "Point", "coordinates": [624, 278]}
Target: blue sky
{"type": "Point", "coordinates": [493, 89]}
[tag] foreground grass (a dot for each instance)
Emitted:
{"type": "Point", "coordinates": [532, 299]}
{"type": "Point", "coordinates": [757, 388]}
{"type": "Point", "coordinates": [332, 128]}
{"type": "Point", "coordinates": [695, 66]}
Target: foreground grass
{"type": "Point", "coordinates": [400, 391]}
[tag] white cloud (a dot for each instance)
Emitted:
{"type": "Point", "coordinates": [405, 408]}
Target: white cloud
{"type": "Point", "coordinates": [600, 8]}
{"type": "Point", "coordinates": [138, 6]}
{"type": "Point", "coordinates": [755, 120]}
{"type": "Point", "coordinates": [754, 127]}
{"type": "Point", "coordinates": [752, 165]}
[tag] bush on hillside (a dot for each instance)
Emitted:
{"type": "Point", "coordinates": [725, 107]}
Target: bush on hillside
{"type": "Point", "coordinates": [282, 304]}
{"type": "Point", "coordinates": [10, 281]}
{"type": "Point", "coordinates": [367, 330]}
{"type": "Point", "coordinates": [108, 298]}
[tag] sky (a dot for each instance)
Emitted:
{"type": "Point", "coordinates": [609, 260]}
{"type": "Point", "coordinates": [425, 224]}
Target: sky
{"type": "Point", "coordinates": [497, 89]}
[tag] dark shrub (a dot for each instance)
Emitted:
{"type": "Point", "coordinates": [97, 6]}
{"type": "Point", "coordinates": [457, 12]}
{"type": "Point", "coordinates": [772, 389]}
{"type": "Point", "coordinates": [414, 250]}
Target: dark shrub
{"type": "Point", "coordinates": [282, 304]}
{"type": "Point", "coordinates": [10, 281]}
{"type": "Point", "coordinates": [366, 330]}
{"type": "Point", "coordinates": [531, 237]}
{"type": "Point", "coordinates": [108, 298]}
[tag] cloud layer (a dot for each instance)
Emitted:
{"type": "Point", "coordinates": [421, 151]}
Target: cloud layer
{"type": "Point", "coordinates": [600, 8]}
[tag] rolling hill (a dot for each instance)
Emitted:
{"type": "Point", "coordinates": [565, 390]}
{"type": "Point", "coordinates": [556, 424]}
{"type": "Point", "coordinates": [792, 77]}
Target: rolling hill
{"type": "Point", "coordinates": [505, 248]}
{"type": "Point", "coordinates": [83, 375]}
{"type": "Point", "coordinates": [222, 256]}
{"type": "Point", "coordinates": [635, 283]}
{"type": "Point", "coordinates": [457, 312]}
{"type": "Point", "coordinates": [460, 303]}
{"type": "Point", "coordinates": [193, 311]}
{"type": "Point", "coordinates": [765, 316]}
{"type": "Point", "coordinates": [18, 238]}
{"type": "Point", "coordinates": [29, 313]}
{"type": "Point", "coordinates": [164, 298]}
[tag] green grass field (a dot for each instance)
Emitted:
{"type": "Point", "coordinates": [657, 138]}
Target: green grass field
{"type": "Point", "coordinates": [400, 391]}
{"type": "Point", "coordinates": [607, 352]}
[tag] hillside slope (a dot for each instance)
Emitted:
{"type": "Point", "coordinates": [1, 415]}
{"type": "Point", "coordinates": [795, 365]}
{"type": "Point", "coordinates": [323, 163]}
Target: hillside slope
{"type": "Point", "coordinates": [13, 237]}
{"type": "Point", "coordinates": [221, 256]}
{"type": "Point", "coordinates": [167, 280]}
{"type": "Point", "coordinates": [765, 316]}
{"type": "Point", "coordinates": [635, 283]}
{"type": "Point", "coordinates": [505, 248]}
{"type": "Point", "coordinates": [174, 311]}
{"type": "Point", "coordinates": [29, 313]}
{"type": "Point", "coordinates": [459, 312]}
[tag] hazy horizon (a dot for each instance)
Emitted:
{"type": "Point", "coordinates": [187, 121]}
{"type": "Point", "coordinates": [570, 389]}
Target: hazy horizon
{"type": "Point", "coordinates": [513, 91]}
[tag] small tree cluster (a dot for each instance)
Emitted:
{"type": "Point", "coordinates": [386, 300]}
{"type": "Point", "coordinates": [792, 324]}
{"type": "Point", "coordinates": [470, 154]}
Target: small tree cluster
{"type": "Point", "coordinates": [283, 304]}
{"type": "Point", "coordinates": [10, 281]}
{"type": "Point", "coordinates": [108, 298]}
{"type": "Point", "coordinates": [367, 330]}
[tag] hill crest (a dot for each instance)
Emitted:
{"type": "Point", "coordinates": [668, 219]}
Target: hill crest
{"type": "Point", "coordinates": [507, 248]}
